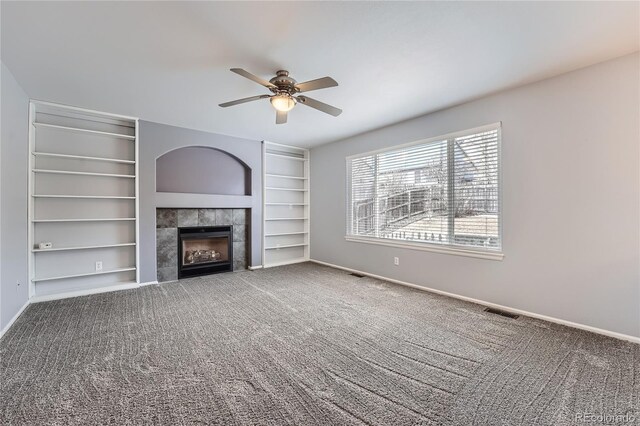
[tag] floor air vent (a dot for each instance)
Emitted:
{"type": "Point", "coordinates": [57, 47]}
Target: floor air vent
{"type": "Point", "coordinates": [502, 313]}
{"type": "Point", "coordinates": [357, 275]}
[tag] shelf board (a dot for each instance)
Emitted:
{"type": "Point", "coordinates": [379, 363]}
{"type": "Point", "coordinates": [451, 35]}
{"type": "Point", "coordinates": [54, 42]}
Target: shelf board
{"type": "Point", "coordinates": [286, 262]}
{"type": "Point", "coordinates": [87, 274]}
{"type": "Point", "coordinates": [76, 129]}
{"type": "Point", "coordinates": [82, 248]}
{"type": "Point", "coordinates": [286, 233]}
{"type": "Point", "coordinates": [288, 157]}
{"type": "Point", "coordinates": [286, 176]}
{"type": "Point", "coordinates": [286, 204]}
{"type": "Point", "coordinates": [286, 246]}
{"type": "Point", "coordinates": [82, 220]}
{"type": "Point", "coordinates": [276, 145]}
{"type": "Point", "coordinates": [82, 157]}
{"type": "Point", "coordinates": [285, 189]}
{"type": "Point", "coordinates": [286, 218]}
{"type": "Point", "coordinates": [98, 197]}
{"type": "Point", "coordinates": [68, 172]}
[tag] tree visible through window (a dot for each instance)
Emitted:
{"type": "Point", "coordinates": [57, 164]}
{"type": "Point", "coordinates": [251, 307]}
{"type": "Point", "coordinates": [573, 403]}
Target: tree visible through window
{"type": "Point", "coordinates": [438, 192]}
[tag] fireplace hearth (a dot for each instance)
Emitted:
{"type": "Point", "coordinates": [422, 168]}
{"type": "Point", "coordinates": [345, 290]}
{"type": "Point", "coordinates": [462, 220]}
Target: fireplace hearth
{"type": "Point", "coordinates": [204, 250]}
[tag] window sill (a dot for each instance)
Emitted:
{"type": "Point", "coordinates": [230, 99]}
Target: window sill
{"type": "Point", "coordinates": [480, 254]}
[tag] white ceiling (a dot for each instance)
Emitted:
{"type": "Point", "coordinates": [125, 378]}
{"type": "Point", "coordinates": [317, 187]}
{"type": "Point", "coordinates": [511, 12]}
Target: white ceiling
{"type": "Point", "coordinates": [169, 61]}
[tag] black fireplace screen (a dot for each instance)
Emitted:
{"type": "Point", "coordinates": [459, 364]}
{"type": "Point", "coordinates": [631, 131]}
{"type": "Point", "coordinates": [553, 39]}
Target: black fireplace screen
{"type": "Point", "coordinates": [204, 250]}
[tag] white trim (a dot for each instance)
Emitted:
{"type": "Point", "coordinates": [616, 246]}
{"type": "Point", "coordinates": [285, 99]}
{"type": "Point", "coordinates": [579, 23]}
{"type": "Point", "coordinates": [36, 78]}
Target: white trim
{"type": "Point", "coordinates": [94, 197]}
{"type": "Point", "coordinates": [56, 249]}
{"type": "Point", "coordinates": [79, 130]}
{"type": "Point", "coordinates": [286, 246]}
{"type": "Point", "coordinates": [286, 204]}
{"type": "Point", "coordinates": [31, 200]}
{"type": "Point", "coordinates": [83, 220]}
{"type": "Point", "coordinates": [615, 335]}
{"type": "Point", "coordinates": [500, 190]}
{"type": "Point", "coordinates": [136, 192]}
{"type": "Point", "coordinates": [285, 176]}
{"type": "Point", "coordinates": [86, 274]}
{"type": "Point", "coordinates": [15, 317]}
{"type": "Point", "coordinates": [285, 189]}
{"type": "Point", "coordinates": [253, 268]}
{"type": "Point", "coordinates": [299, 148]}
{"type": "Point", "coordinates": [83, 157]}
{"type": "Point", "coordinates": [307, 200]}
{"type": "Point", "coordinates": [82, 110]}
{"type": "Point", "coordinates": [281, 234]}
{"type": "Point", "coordinates": [285, 156]}
{"type": "Point", "coordinates": [263, 252]}
{"type": "Point", "coordinates": [69, 172]}
{"type": "Point", "coordinates": [435, 248]}
{"type": "Point", "coordinates": [149, 283]}
{"type": "Point", "coordinates": [87, 292]}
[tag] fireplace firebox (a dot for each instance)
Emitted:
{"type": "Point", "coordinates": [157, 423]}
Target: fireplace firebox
{"type": "Point", "coordinates": [204, 250]}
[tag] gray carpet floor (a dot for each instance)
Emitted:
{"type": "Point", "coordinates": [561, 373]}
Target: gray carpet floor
{"type": "Point", "coordinates": [303, 344]}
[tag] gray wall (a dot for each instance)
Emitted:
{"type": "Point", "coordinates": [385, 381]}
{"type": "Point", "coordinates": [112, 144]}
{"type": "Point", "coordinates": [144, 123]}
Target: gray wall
{"type": "Point", "coordinates": [158, 139]}
{"type": "Point", "coordinates": [14, 147]}
{"type": "Point", "coordinates": [570, 200]}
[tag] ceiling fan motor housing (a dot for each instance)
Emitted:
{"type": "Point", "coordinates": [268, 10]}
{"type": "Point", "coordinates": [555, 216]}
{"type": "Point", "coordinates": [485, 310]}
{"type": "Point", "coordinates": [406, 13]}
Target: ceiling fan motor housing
{"type": "Point", "coordinates": [284, 83]}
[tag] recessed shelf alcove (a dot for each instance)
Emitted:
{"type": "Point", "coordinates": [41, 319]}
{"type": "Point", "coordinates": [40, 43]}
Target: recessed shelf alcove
{"type": "Point", "coordinates": [202, 170]}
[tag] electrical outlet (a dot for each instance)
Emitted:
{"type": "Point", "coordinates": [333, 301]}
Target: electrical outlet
{"type": "Point", "coordinates": [396, 261]}
{"type": "Point", "coordinates": [99, 265]}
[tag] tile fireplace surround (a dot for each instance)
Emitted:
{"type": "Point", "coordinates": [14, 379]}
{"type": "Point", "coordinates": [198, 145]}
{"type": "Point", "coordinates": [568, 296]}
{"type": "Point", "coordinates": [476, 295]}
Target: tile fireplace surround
{"type": "Point", "coordinates": [169, 220]}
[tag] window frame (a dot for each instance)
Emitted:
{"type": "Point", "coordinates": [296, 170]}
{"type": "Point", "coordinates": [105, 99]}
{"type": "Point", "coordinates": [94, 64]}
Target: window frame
{"type": "Point", "coordinates": [448, 248]}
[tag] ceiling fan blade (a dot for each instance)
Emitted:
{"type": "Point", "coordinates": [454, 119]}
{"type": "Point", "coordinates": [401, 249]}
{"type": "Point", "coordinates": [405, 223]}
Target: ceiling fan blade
{"type": "Point", "coordinates": [320, 106]}
{"type": "Point", "coordinates": [255, 78]}
{"type": "Point", "coordinates": [320, 83]}
{"type": "Point", "coordinates": [281, 117]}
{"type": "Point", "coordinates": [243, 100]}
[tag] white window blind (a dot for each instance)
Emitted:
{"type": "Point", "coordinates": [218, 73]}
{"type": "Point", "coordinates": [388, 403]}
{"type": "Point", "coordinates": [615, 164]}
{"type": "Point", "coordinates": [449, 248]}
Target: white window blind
{"type": "Point", "coordinates": [444, 191]}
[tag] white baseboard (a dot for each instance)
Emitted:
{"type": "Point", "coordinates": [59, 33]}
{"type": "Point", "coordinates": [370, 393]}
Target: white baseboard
{"type": "Point", "coordinates": [596, 330]}
{"type": "Point", "coordinates": [253, 268]}
{"type": "Point", "coordinates": [77, 293]}
{"type": "Point", "coordinates": [15, 317]}
{"type": "Point", "coordinates": [149, 283]}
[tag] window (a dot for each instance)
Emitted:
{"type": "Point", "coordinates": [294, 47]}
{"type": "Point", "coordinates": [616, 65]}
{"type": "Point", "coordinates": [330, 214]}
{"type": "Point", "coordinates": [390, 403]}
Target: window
{"type": "Point", "coordinates": [440, 193]}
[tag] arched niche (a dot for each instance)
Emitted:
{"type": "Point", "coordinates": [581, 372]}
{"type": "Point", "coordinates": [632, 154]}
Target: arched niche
{"type": "Point", "coordinates": [202, 170]}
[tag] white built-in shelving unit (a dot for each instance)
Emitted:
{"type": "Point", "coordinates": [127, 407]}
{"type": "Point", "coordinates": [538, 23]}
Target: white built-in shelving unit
{"type": "Point", "coordinates": [83, 199]}
{"type": "Point", "coordinates": [286, 204]}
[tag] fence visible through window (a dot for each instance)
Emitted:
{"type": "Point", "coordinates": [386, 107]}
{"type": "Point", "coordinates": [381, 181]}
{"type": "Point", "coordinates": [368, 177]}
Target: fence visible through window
{"type": "Point", "coordinates": [443, 192]}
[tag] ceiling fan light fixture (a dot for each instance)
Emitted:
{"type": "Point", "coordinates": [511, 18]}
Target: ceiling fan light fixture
{"type": "Point", "coordinates": [285, 92]}
{"type": "Point", "coordinates": [283, 103]}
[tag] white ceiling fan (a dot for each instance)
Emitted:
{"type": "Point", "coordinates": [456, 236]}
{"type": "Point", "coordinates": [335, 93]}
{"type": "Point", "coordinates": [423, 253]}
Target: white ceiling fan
{"type": "Point", "coordinates": [285, 91]}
